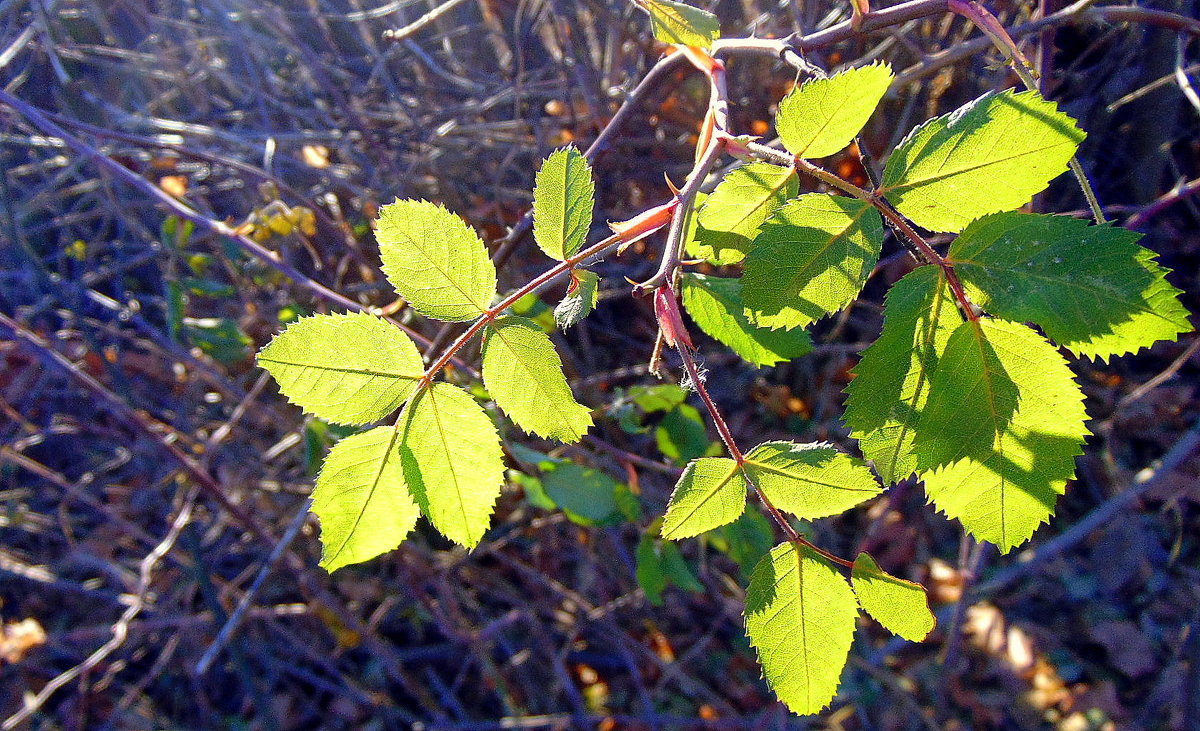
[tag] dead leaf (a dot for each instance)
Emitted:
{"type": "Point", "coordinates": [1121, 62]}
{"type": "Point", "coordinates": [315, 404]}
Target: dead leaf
{"type": "Point", "coordinates": [18, 638]}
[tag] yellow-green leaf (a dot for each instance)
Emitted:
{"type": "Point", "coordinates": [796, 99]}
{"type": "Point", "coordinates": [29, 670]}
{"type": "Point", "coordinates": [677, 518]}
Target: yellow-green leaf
{"type": "Point", "coordinates": [679, 23]}
{"type": "Point", "coordinates": [810, 260]}
{"type": "Point", "coordinates": [710, 493]}
{"type": "Point", "coordinates": [715, 303]}
{"type": "Point", "coordinates": [730, 218]}
{"type": "Point", "coordinates": [800, 615]}
{"type": "Point", "coordinates": [347, 368]}
{"type": "Point", "coordinates": [822, 116]}
{"type": "Point", "coordinates": [998, 437]}
{"type": "Point", "coordinates": [452, 461]}
{"type": "Point", "coordinates": [993, 154]}
{"type": "Point", "coordinates": [361, 499]}
{"type": "Point", "coordinates": [562, 203]}
{"type": "Point", "coordinates": [891, 382]}
{"type": "Point", "coordinates": [1092, 289]}
{"type": "Point", "coordinates": [435, 261]}
{"type": "Point", "coordinates": [810, 480]}
{"type": "Point", "coordinates": [900, 606]}
{"type": "Point", "coordinates": [522, 371]}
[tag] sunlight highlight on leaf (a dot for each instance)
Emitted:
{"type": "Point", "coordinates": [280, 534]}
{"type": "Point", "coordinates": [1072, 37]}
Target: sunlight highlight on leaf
{"type": "Point", "coordinates": [350, 368]}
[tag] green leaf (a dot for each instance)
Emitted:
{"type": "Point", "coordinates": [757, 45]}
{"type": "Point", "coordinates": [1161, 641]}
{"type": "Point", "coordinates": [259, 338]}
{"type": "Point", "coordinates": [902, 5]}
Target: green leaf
{"type": "Point", "coordinates": [810, 480]}
{"type": "Point", "coordinates": [682, 24]}
{"type": "Point", "coordinates": [649, 571]}
{"type": "Point", "coordinates": [993, 154]}
{"type": "Point", "coordinates": [562, 203]}
{"type": "Point", "coordinates": [361, 499]}
{"type": "Point", "coordinates": [800, 615]}
{"type": "Point", "coordinates": [676, 568]}
{"type": "Point", "coordinates": [744, 540]}
{"type": "Point", "coordinates": [435, 261]}
{"type": "Point", "coordinates": [682, 435]}
{"type": "Point", "coordinates": [998, 438]}
{"type": "Point", "coordinates": [580, 300]}
{"type": "Point", "coordinates": [523, 373]}
{"type": "Point", "coordinates": [582, 492]}
{"type": "Point", "coordinates": [891, 382]}
{"type": "Point", "coordinates": [732, 214]}
{"type": "Point", "coordinates": [900, 606]}
{"type": "Point", "coordinates": [452, 461]}
{"type": "Point", "coordinates": [715, 303]}
{"type": "Point", "coordinates": [810, 259]}
{"type": "Point", "coordinates": [1092, 289]}
{"type": "Point", "coordinates": [659, 565]}
{"type": "Point", "coordinates": [710, 493]}
{"type": "Point", "coordinates": [350, 368]}
{"type": "Point", "coordinates": [822, 116]}
{"type": "Point", "coordinates": [659, 397]}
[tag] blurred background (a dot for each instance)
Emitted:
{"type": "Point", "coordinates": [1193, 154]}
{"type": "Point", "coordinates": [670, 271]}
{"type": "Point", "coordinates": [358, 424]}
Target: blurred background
{"type": "Point", "coordinates": [157, 568]}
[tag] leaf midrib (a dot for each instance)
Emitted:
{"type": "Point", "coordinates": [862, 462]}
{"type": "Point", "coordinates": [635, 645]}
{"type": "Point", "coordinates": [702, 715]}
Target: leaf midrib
{"type": "Point", "coordinates": [340, 369]}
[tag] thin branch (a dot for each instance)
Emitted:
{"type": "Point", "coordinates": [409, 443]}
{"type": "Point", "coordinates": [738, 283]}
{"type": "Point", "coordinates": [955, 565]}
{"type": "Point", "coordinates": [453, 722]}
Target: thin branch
{"type": "Point", "coordinates": [120, 630]}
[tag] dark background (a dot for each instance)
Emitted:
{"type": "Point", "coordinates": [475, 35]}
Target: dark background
{"type": "Point", "coordinates": [544, 625]}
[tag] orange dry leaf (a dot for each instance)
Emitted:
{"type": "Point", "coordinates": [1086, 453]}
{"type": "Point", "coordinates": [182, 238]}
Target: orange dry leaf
{"type": "Point", "coordinates": [174, 185]}
{"type": "Point", "coordinates": [18, 638]}
{"type": "Point", "coordinates": [315, 156]}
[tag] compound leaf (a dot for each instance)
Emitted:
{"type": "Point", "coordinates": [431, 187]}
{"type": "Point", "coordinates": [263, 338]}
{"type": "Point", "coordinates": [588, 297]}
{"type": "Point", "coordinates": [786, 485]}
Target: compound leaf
{"type": "Point", "coordinates": [710, 493]}
{"type": "Point", "coordinates": [435, 261]}
{"type": "Point", "coordinates": [715, 303]}
{"type": "Point", "coordinates": [349, 368]}
{"type": "Point", "coordinates": [580, 300]}
{"type": "Point", "coordinates": [993, 154]}
{"type": "Point", "coordinates": [681, 24]}
{"type": "Point", "coordinates": [732, 214]}
{"type": "Point", "coordinates": [1092, 289]}
{"type": "Point", "coordinates": [810, 480]}
{"type": "Point", "coordinates": [891, 381]}
{"type": "Point", "coordinates": [900, 606]}
{"type": "Point", "coordinates": [810, 259]}
{"type": "Point", "coordinates": [1000, 431]}
{"type": "Point", "coordinates": [562, 203]}
{"type": "Point", "coordinates": [822, 116]}
{"type": "Point", "coordinates": [522, 371]}
{"type": "Point", "coordinates": [452, 461]}
{"type": "Point", "coordinates": [800, 615]}
{"type": "Point", "coordinates": [361, 499]}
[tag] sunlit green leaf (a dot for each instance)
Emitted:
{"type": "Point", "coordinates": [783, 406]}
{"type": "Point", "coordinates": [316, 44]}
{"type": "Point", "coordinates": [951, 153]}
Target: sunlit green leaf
{"type": "Point", "coordinates": [993, 154]}
{"type": "Point", "coordinates": [562, 203]}
{"type": "Point", "coordinates": [730, 218]}
{"type": "Point", "coordinates": [810, 259]}
{"type": "Point", "coordinates": [452, 461]}
{"type": "Point", "coordinates": [710, 493]}
{"type": "Point", "coordinates": [891, 382]}
{"type": "Point", "coordinates": [715, 303]}
{"type": "Point", "coordinates": [800, 615]}
{"type": "Point", "coordinates": [580, 299]}
{"type": "Point", "coordinates": [1092, 289]}
{"type": "Point", "coordinates": [522, 371]}
{"type": "Point", "coordinates": [900, 606]}
{"type": "Point", "coordinates": [348, 369]}
{"type": "Point", "coordinates": [679, 23]}
{"type": "Point", "coordinates": [361, 499]}
{"type": "Point", "coordinates": [822, 116]}
{"type": "Point", "coordinates": [810, 480]}
{"type": "Point", "coordinates": [999, 434]}
{"type": "Point", "coordinates": [435, 261]}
